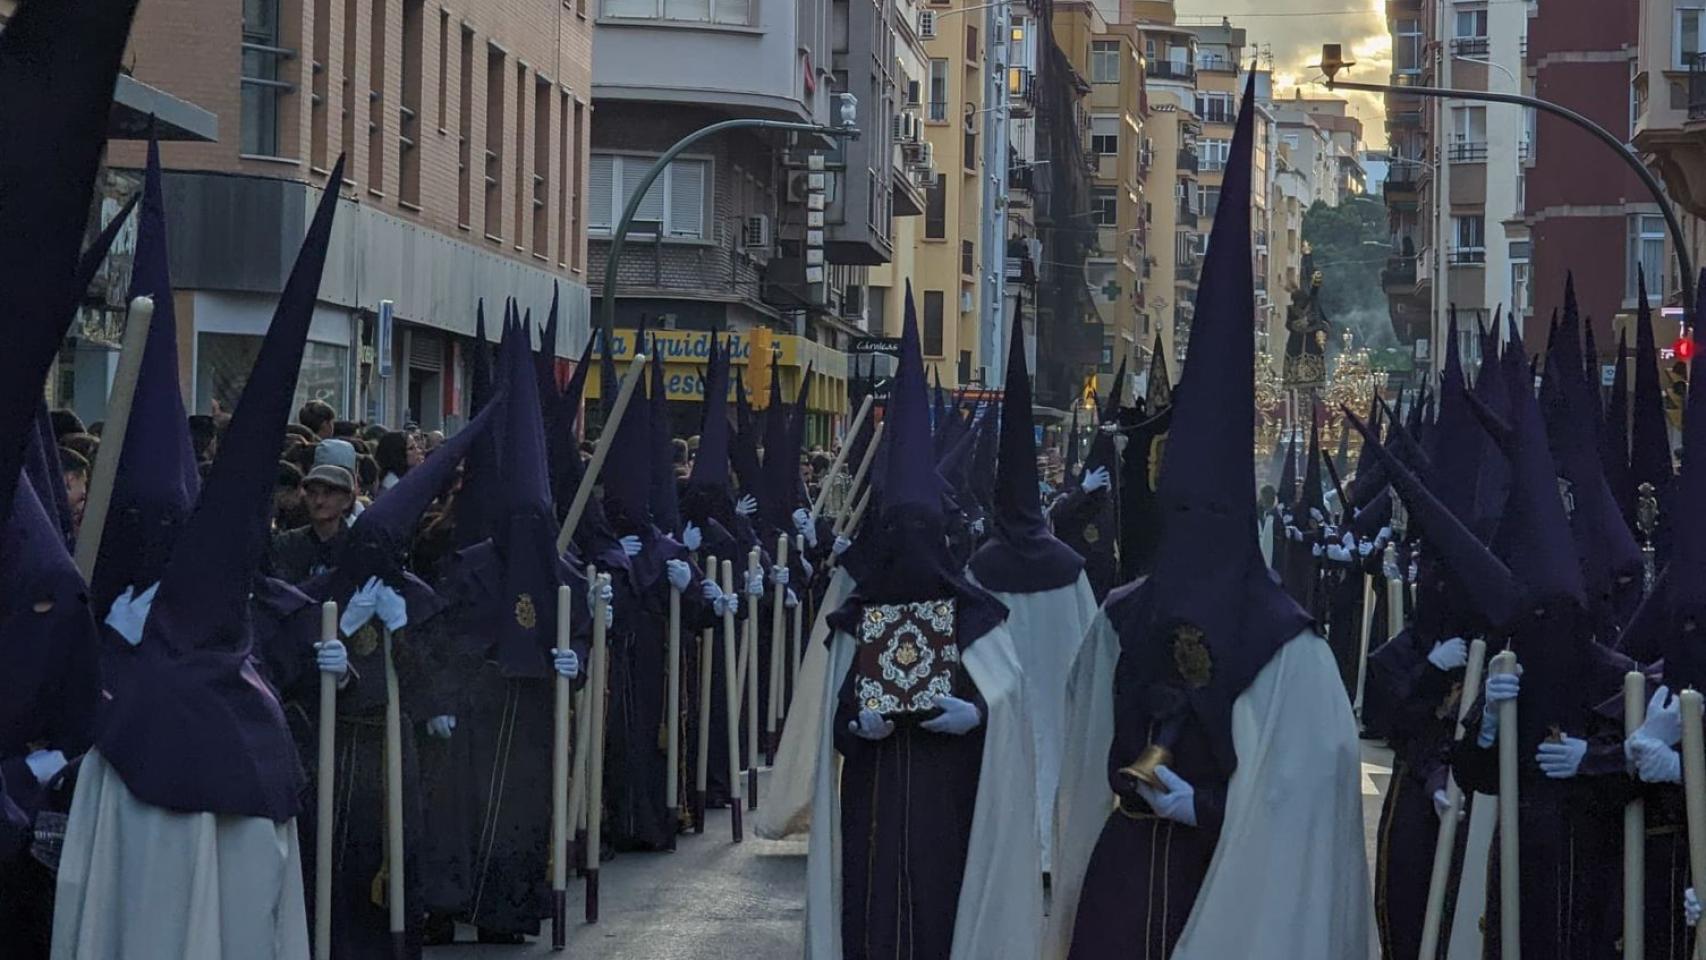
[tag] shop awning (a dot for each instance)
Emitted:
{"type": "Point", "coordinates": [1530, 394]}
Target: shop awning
{"type": "Point", "coordinates": [684, 353]}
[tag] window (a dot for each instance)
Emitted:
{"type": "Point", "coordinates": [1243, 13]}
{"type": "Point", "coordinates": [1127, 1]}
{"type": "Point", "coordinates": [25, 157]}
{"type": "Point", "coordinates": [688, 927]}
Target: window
{"type": "Point", "coordinates": [1471, 234]}
{"type": "Point", "coordinates": [577, 206]}
{"type": "Point", "coordinates": [1214, 154]}
{"type": "Point", "coordinates": [1646, 256]}
{"type": "Point", "coordinates": [1690, 34]}
{"type": "Point", "coordinates": [493, 161]}
{"type": "Point", "coordinates": [520, 151]}
{"type": "Point", "coordinates": [465, 130]}
{"type": "Point", "coordinates": [443, 64]}
{"type": "Point", "coordinates": [1468, 134]}
{"type": "Point", "coordinates": [347, 126]}
{"type": "Point", "coordinates": [968, 259]}
{"type": "Point", "coordinates": [408, 116]}
{"type": "Point", "coordinates": [725, 12]}
{"type": "Point", "coordinates": [1105, 135]}
{"type": "Point", "coordinates": [1208, 200]}
{"type": "Point", "coordinates": [1216, 107]}
{"type": "Point", "coordinates": [939, 90]}
{"type": "Point", "coordinates": [1290, 140]}
{"type": "Point", "coordinates": [936, 211]}
{"type": "Point", "coordinates": [932, 332]}
{"type": "Point", "coordinates": [1407, 43]}
{"type": "Point", "coordinates": [564, 188]}
{"type": "Point", "coordinates": [1104, 207]}
{"type": "Point", "coordinates": [541, 168]}
{"type": "Point", "coordinates": [1104, 61]}
{"type": "Point", "coordinates": [376, 101]}
{"type": "Point", "coordinates": [677, 198]}
{"type": "Point", "coordinates": [318, 112]}
{"type": "Point", "coordinates": [968, 155]}
{"type": "Point", "coordinates": [1522, 279]}
{"type": "Point", "coordinates": [1471, 23]}
{"type": "Point", "coordinates": [262, 87]}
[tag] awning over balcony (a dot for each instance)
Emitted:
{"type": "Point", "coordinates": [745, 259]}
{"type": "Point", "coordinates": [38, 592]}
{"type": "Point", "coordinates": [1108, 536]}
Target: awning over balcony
{"type": "Point", "coordinates": [135, 102]}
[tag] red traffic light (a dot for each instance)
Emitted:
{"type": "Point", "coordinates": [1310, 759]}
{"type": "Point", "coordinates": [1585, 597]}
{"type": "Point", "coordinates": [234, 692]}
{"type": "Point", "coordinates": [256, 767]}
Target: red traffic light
{"type": "Point", "coordinates": [1684, 348]}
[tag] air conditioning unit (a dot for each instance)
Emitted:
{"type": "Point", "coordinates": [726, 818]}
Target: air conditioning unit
{"type": "Point", "coordinates": [966, 301]}
{"type": "Point", "coordinates": [897, 128]}
{"type": "Point", "coordinates": [755, 234]}
{"type": "Point", "coordinates": [927, 176]}
{"type": "Point", "coordinates": [929, 158]}
{"type": "Point", "coordinates": [798, 186]}
{"type": "Point", "coordinates": [927, 24]}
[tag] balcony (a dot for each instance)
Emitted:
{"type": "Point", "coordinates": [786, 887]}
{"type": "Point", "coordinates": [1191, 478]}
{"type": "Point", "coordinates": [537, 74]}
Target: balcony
{"type": "Point", "coordinates": [1670, 124]}
{"type": "Point", "coordinates": [1469, 47]}
{"type": "Point", "coordinates": [1186, 270]}
{"type": "Point", "coordinates": [1210, 62]}
{"type": "Point", "coordinates": [1399, 274]}
{"type": "Point", "coordinates": [1468, 256]}
{"type": "Point", "coordinates": [1404, 120]}
{"type": "Point", "coordinates": [1188, 161]}
{"type": "Point", "coordinates": [1696, 86]}
{"type": "Point", "coordinates": [1468, 151]}
{"type": "Point", "coordinates": [1022, 92]}
{"type": "Point", "coordinates": [1187, 216]}
{"type": "Point", "coordinates": [1170, 70]}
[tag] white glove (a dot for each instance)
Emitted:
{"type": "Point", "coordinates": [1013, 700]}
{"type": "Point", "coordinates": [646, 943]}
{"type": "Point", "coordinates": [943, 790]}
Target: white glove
{"type": "Point", "coordinates": [755, 583]}
{"type": "Point", "coordinates": [130, 613]}
{"type": "Point", "coordinates": [1315, 550]}
{"type": "Point", "coordinates": [871, 725]}
{"type": "Point", "coordinates": [1560, 761]}
{"type": "Point", "coordinates": [441, 727]}
{"type": "Point", "coordinates": [1442, 804]}
{"type": "Point", "coordinates": [1329, 532]}
{"type": "Point", "coordinates": [679, 573]}
{"type": "Point", "coordinates": [332, 657]}
{"type": "Point", "coordinates": [566, 662]}
{"type": "Point", "coordinates": [779, 575]}
{"type": "Point", "coordinates": [958, 717]}
{"type": "Point", "coordinates": [393, 610]}
{"type": "Point", "coordinates": [710, 591]}
{"type": "Point", "coordinates": [840, 546]}
{"type": "Point", "coordinates": [746, 506]}
{"type": "Point", "coordinates": [1664, 718]}
{"type": "Point", "coordinates": [1316, 515]}
{"type": "Point", "coordinates": [1365, 547]}
{"type": "Point", "coordinates": [1109, 428]}
{"type": "Point", "coordinates": [1095, 479]}
{"type": "Point", "coordinates": [362, 606]}
{"type": "Point", "coordinates": [1500, 687]}
{"type": "Point", "coordinates": [1384, 534]}
{"type": "Point", "coordinates": [1653, 761]}
{"type": "Point", "coordinates": [1178, 802]}
{"type": "Point", "coordinates": [804, 525]}
{"type": "Point", "coordinates": [691, 538]}
{"type": "Point", "coordinates": [977, 527]}
{"type": "Point", "coordinates": [45, 764]}
{"type": "Point", "coordinates": [1691, 907]}
{"type": "Point", "coordinates": [805, 566]}
{"type": "Point", "coordinates": [791, 601]}
{"type": "Point", "coordinates": [725, 604]}
{"type": "Point", "coordinates": [1338, 554]}
{"type": "Point", "coordinates": [609, 595]}
{"type": "Point", "coordinates": [1292, 533]}
{"type": "Point", "coordinates": [631, 545]}
{"type": "Point", "coordinates": [1449, 654]}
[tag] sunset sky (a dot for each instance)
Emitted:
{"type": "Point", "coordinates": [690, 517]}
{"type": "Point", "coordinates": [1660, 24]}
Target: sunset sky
{"type": "Point", "coordinates": [1292, 31]}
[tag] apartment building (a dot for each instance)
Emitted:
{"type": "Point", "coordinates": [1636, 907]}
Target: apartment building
{"type": "Point", "coordinates": [1467, 227]}
{"type": "Point", "coordinates": [1170, 72]}
{"type": "Point", "coordinates": [464, 127]}
{"type": "Point", "coordinates": [1668, 98]}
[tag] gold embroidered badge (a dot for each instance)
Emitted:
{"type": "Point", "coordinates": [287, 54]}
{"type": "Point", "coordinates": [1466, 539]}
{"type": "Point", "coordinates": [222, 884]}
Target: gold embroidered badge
{"type": "Point", "coordinates": [1091, 534]}
{"type": "Point", "coordinates": [365, 641]}
{"type": "Point", "coordinates": [525, 616]}
{"type": "Point", "coordinates": [1191, 657]}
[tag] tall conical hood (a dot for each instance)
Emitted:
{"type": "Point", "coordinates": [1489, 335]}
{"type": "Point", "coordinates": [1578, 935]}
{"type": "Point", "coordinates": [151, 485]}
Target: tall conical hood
{"type": "Point", "coordinates": [58, 64]}
{"type": "Point", "coordinates": [1210, 587]}
{"type": "Point", "coordinates": [474, 503]}
{"type": "Point", "coordinates": [158, 480]}
{"type": "Point", "coordinates": [711, 463]}
{"type": "Point", "coordinates": [1023, 555]}
{"type": "Point", "coordinates": [545, 358]}
{"type": "Point", "coordinates": [627, 476]}
{"type": "Point", "coordinates": [984, 459]}
{"type": "Point", "coordinates": [666, 508]}
{"type": "Point", "coordinates": [566, 466]}
{"type": "Point", "coordinates": [1590, 376]}
{"type": "Point", "coordinates": [44, 469]}
{"type": "Point", "coordinates": [1311, 498]}
{"type": "Point", "coordinates": [1614, 433]}
{"type": "Point", "coordinates": [1342, 456]}
{"type": "Point", "coordinates": [1688, 515]}
{"type": "Point", "coordinates": [1101, 453]}
{"type": "Point", "coordinates": [196, 729]}
{"type": "Point", "coordinates": [1072, 443]}
{"type": "Point", "coordinates": [1160, 389]}
{"type": "Point", "coordinates": [775, 493]}
{"type": "Point", "coordinates": [1288, 492]}
{"type": "Point", "coordinates": [96, 252]}
{"type": "Point", "coordinates": [743, 449]}
{"type": "Point", "coordinates": [1649, 453]}
{"type": "Point", "coordinates": [1611, 560]}
{"type": "Point", "coordinates": [1458, 452]}
{"type": "Point", "coordinates": [911, 480]}
{"type": "Point", "coordinates": [1370, 479]}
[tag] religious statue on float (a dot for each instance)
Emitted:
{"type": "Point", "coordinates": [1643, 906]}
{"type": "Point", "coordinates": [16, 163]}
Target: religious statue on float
{"type": "Point", "coordinates": [1307, 328]}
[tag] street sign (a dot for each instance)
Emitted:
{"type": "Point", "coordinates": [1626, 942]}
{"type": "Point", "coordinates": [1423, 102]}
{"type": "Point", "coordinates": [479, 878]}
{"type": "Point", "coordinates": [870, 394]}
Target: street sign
{"type": "Point", "coordinates": [888, 346]}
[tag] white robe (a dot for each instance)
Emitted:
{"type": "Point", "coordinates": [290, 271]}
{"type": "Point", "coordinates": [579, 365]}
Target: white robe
{"type": "Point", "coordinates": [139, 881]}
{"type": "Point", "coordinates": [1000, 910]}
{"type": "Point", "coordinates": [1289, 877]}
{"type": "Point", "coordinates": [787, 806]}
{"type": "Point", "coordinates": [1047, 627]}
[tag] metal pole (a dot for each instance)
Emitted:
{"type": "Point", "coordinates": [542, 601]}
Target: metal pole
{"type": "Point", "coordinates": [619, 236]}
{"type": "Point", "coordinates": [1604, 136]}
{"type": "Point", "coordinates": [992, 291]}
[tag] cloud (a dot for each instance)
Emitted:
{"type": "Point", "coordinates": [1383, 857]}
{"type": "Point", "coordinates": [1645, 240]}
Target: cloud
{"type": "Point", "coordinates": [1292, 31]}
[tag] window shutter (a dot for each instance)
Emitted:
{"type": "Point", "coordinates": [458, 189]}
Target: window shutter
{"type": "Point", "coordinates": [687, 198]}
{"type": "Point", "coordinates": [633, 169]}
{"type": "Point", "coordinates": [599, 197]}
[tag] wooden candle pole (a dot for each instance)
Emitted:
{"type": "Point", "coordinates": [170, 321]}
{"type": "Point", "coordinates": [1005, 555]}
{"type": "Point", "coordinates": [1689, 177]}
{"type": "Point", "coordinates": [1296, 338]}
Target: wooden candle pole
{"type": "Point", "coordinates": [325, 784]}
{"type": "Point", "coordinates": [731, 696]}
{"type": "Point", "coordinates": [1694, 796]}
{"type": "Point", "coordinates": [1634, 830]}
{"type": "Point", "coordinates": [1510, 851]}
{"type": "Point", "coordinates": [1446, 841]}
{"type": "Point", "coordinates": [563, 690]}
{"type": "Point", "coordinates": [1362, 640]}
{"type": "Point", "coordinates": [589, 479]}
{"type": "Point", "coordinates": [778, 653]}
{"type": "Point", "coordinates": [749, 658]}
{"type": "Point", "coordinates": [599, 676]}
{"type": "Point", "coordinates": [105, 476]}
{"type": "Point", "coordinates": [702, 762]}
{"type": "Point", "coordinates": [799, 611]}
{"type": "Point", "coordinates": [672, 778]}
{"type": "Point", "coordinates": [394, 803]}
{"type": "Point", "coordinates": [841, 456]}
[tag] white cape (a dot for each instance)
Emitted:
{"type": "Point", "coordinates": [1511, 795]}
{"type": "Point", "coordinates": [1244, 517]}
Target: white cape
{"type": "Point", "coordinates": [1047, 627]}
{"type": "Point", "coordinates": [787, 806]}
{"type": "Point", "coordinates": [999, 915]}
{"type": "Point", "coordinates": [140, 881]}
{"type": "Point", "coordinates": [1289, 877]}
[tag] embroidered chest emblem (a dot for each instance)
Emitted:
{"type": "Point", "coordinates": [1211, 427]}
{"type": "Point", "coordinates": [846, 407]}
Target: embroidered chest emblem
{"type": "Point", "coordinates": [907, 657]}
{"type": "Point", "coordinates": [365, 641]}
{"type": "Point", "coordinates": [1191, 657]}
{"type": "Point", "coordinates": [525, 616]}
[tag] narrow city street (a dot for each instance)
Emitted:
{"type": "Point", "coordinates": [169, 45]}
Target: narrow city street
{"type": "Point", "coordinates": [714, 900]}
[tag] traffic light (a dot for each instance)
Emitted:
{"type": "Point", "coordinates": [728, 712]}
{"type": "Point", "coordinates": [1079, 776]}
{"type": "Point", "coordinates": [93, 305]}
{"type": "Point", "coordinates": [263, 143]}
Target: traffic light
{"type": "Point", "coordinates": [1684, 348]}
{"type": "Point", "coordinates": [760, 366]}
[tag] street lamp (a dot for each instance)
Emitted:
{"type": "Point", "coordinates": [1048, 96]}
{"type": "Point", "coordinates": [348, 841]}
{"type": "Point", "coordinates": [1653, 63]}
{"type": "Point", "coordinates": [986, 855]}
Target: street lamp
{"type": "Point", "coordinates": [846, 108]}
{"type": "Point", "coordinates": [1332, 61]}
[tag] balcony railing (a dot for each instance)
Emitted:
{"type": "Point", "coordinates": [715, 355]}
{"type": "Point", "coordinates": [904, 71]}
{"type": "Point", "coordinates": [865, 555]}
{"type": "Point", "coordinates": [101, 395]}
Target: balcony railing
{"type": "Point", "coordinates": [1399, 272]}
{"type": "Point", "coordinates": [1468, 256]}
{"type": "Point", "coordinates": [1696, 63]}
{"type": "Point", "coordinates": [1469, 151]}
{"type": "Point", "coordinates": [1186, 270]}
{"type": "Point", "coordinates": [1469, 47]}
{"type": "Point", "coordinates": [1404, 120]}
{"type": "Point", "coordinates": [1211, 61]}
{"type": "Point", "coordinates": [1170, 70]}
{"type": "Point", "coordinates": [1187, 216]}
{"type": "Point", "coordinates": [1188, 161]}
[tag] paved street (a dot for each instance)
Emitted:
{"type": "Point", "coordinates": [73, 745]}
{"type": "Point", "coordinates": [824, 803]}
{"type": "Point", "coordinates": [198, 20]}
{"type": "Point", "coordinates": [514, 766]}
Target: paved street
{"type": "Point", "coordinates": [712, 900]}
